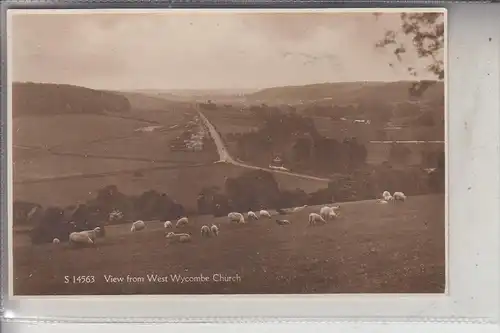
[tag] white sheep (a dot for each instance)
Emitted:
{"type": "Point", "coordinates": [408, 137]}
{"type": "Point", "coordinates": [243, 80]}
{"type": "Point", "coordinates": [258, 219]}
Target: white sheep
{"type": "Point", "coordinates": [282, 222]}
{"type": "Point", "coordinates": [184, 238]}
{"type": "Point", "coordinates": [399, 196]}
{"type": "Point", "coordinates": [205, 231]}
{"type": "Point", "coordinates": [328, 213]}
{"type": "Point", "coordinates": [214, 229]}
{"type": "Point", "coordinates": [252, 215]}
{"type": "Point", "coordinates": [167, 225]}
{"type": "Point", "coordinates": [236, 217]}
{"type": "Point", "coordinates": [138, 226]}
{"type": "Point", "coordinates": [181, 238]}
{"type": "Point", "coordinates": [181, 222]}
{"type": "Point", "coordinates": [92, 233]}
{"type": "Point", "coordinates": [81, 238]}
{"type": "Point", "coordinates": [387, 196]}
{"type": "Point", "coordinates": [315, 219]}
{"type": "Point", "coordinates": [382, 201]}
{"type": "Point", "coordinates": [265, 213]}
{"type": "Point", "coordinates": [56, 241]}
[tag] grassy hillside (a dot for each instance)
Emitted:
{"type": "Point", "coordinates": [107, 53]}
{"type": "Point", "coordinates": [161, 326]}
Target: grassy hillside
{"type": "Point", "coordinates": [68, 130]}
{"type": "Point", "coordinates": [371, 248]}
{"type": "Point", "coordinates": [346, 92]}
{"type": "Point", "coordinates": [182, 183]}
{"type": "Point", "coordinates": [46, 98]}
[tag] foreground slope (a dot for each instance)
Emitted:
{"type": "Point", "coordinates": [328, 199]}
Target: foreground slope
{"type": "Point", "coordinates": [372, 248]}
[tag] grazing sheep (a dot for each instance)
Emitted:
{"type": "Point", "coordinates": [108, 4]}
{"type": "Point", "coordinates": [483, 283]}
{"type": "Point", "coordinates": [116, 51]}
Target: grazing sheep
{"type": "Point", "coordinates": [387, 196]}
{"type": "Point", "coordinates": [179, 238]}
{"type": "Point", "coordinates": [214, 230]}
{"type": "Point", "coordinates": [92, 233]}
{"type": "Point", "coordinates": [167, 225]}
{"type": "Point", "coordinates": [205, 231]}
{"type": "Point", "coordinates": [56, 241]}
{"type": "Point", "coordinates": [399, 196]}
{"type": "Point", "coordinates": [315, 219]}
{"type": "Point", "coordinates": [282, 222]}
{"type": "Point", "coordinates": [236, 217]}
{"type": "Point", "coordinates": [138, 226]}
{"type": "Point", "coordinates": [80, 238]}
{"type": "Point", "coordinates": [184, 238]}
{"type": "Point", "coordinates": [298, 209]}
{"type": "Point", "coordinates": [327, 213]}
{"type": "Point", "coordinates": [265, 213]}
{"type": "Point", "coordinates": [181, 222]}
{"type": "Point", "coordinates": [252, 215]}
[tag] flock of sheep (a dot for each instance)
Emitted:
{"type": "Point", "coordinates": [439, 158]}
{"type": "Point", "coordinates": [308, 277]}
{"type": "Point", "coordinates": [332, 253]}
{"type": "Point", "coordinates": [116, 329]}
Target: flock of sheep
{"type": "Point", "coordinates": [387, 197]}
{"type": "Point", "coordinates": [325, 214]}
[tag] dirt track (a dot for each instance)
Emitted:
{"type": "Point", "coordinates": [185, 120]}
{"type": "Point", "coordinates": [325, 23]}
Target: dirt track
{"type": "Point", "coordinates": [372, 248]}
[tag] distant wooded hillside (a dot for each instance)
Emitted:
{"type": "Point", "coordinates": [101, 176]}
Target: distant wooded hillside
{"type": "Point", "coordinates": [47, 98]}
{"type": "Point", "coordinates": [349, 92]}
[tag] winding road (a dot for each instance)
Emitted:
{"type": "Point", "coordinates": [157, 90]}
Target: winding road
{"type": "Point", "coordinates": [225, 157]}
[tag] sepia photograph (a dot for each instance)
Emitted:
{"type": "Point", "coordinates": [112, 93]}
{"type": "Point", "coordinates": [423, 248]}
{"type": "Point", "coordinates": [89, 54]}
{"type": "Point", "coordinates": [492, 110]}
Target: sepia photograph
{"type": "Point", "coordinates": [176, 152]}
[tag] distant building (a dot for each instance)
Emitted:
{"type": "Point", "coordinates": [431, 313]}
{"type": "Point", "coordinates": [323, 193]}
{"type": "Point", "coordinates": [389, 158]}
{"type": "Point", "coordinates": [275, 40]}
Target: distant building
{"type": "Point", "coordinates": [277, 162]}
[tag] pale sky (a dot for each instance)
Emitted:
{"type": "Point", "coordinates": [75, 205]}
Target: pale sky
{"type": "Point", "coordinates": [202, 50]}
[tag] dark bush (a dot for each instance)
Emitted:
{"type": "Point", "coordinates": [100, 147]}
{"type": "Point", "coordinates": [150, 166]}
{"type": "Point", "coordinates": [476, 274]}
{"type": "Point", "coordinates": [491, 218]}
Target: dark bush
{"type": "Point", "coordinates": [51, 225]}
{"type": "Point", "coordinates": [152, 205]}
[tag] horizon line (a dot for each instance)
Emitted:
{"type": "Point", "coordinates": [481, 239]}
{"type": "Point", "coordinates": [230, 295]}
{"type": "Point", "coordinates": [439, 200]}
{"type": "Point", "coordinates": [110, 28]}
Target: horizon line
{"type": "Point", "coordinates": [228, 88]}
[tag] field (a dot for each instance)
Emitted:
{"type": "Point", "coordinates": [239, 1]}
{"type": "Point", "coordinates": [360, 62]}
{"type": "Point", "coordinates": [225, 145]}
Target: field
{"type": "Point", "coordinates": [371, 248]}
{"type": "Point", "coordinates": [50, 131]}
{"type": "Point", "coordinates": [45, 167]}
{"type": "Point", "coordinates": [71, 156]}
{"type": "Point", "coordinates": [232, 120]}
{"type": "Point", "coordinates": [181, 183]}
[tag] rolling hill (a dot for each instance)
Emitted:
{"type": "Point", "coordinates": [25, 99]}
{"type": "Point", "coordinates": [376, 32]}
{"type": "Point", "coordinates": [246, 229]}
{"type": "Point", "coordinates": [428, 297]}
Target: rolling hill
{"type": "Point", "coordinates": [346, 92]}
{"type": "Point", "coordinates": [30, 98]}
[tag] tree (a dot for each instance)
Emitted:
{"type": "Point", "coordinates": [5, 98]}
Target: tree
{"type": "Point", "coordinates": [427, 33]}
{"type": "Point", "coordinates": [252, 190]}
